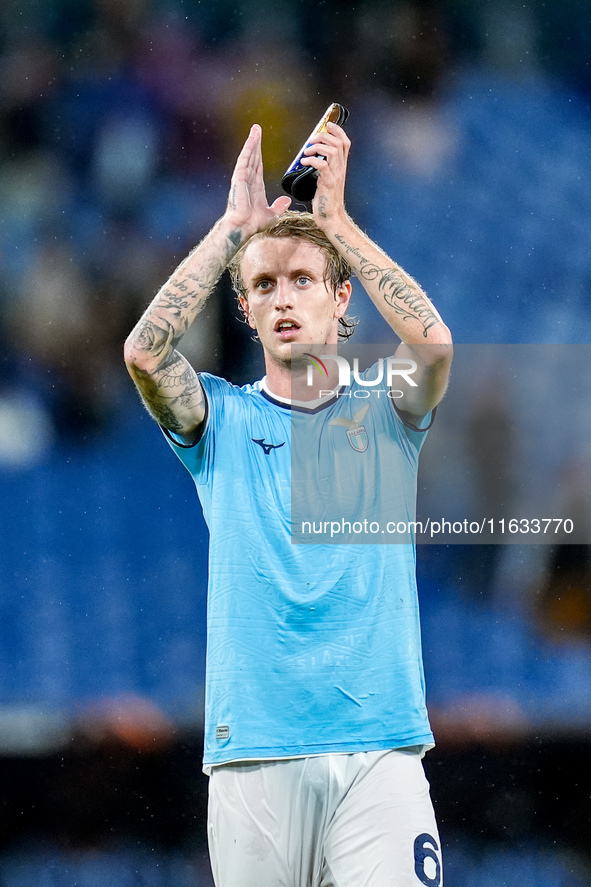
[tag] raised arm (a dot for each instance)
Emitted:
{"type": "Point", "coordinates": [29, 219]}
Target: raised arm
{"type": "Point", "coordinates": [168, 384]}
{"type": "Point", "coordinates": [400, 300]}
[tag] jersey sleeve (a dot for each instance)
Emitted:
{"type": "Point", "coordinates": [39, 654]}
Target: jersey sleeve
{"type": "Point", "coordinates": [416, 432]}
{"type": "Point", "coordinates": [412, 435]}
{"type": "Point", "coordinates": [197, 457]}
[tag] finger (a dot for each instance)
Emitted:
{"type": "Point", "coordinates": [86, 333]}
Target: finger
{"type": "Point", "coordinates": [255, 158]}
{"type": "Point", "coordinates": [326, 151]}
{"type": "Point", "coordinates": [280, 205]}
{"type": "Point", "coordinates": [256, 169]}
{"type": "Point", "coordinates": [339, 132]}
{"type": "Point", "coordinates": [316, 162]}
{"type": "Point", "coordinates": [245, 157]}
{"type": "Point", "coordinates": [258, 165]}
{"type": "Point", "coordinates": [335, 136]}
{"type": "Point", "coordinates": [325, 138]}
{"type": "Point", "coordinates": [254, 136]}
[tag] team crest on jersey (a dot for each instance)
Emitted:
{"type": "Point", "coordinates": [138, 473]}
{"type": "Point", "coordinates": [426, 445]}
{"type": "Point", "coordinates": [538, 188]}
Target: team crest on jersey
{"type": "Point", "coordinates": [358, 438]}
{"type": "Point", "coordinates": [356, 432]}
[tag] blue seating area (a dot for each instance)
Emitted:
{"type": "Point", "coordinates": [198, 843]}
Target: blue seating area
{"type": "Point", "coordinates": [498, 236]}
{"type": "Point", "coordinates": [477, 653]}
{"type": "Point", "coordinates": [103, 575]}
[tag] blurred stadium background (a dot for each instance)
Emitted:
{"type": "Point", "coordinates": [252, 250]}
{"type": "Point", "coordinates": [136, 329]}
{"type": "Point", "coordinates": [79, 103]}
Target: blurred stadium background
{"type": "Point", "coordinates": [119, 125]}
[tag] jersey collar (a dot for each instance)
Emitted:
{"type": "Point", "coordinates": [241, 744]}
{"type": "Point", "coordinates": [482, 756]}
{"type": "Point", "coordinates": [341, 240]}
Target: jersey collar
{"type": "Point", "coordinates": [302, 406]}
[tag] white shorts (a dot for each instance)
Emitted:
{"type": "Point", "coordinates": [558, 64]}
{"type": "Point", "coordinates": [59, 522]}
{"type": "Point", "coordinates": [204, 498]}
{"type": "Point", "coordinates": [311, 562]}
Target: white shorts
{"type": "Point", "coordinates": [357, 820]}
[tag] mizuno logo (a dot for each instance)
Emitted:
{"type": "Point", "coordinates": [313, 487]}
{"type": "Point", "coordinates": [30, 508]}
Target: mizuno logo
{"type": "Point", "coordinates": [266, 448]}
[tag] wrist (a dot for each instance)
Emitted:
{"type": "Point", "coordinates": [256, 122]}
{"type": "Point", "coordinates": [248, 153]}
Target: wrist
{"type": "Point", "coordinates": [234, 233]}
{"type": "Point", "coordinates": [337, 225]}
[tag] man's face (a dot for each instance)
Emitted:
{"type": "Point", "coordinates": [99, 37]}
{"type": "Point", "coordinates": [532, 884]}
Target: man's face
{"type": "Point", "coordinates": [288, 299]}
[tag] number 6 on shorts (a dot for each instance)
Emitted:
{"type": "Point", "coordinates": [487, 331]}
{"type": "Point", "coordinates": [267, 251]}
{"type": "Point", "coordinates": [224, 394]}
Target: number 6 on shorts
{"type": "Point", "coordinates": [428, 872]}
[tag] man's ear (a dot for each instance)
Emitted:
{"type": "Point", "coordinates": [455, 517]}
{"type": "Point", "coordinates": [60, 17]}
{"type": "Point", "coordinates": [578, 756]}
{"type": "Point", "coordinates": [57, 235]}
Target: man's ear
{"type": "Point", "coordinates": [247, 313]}
{"type": "Point", "coordinates": [342, 297]}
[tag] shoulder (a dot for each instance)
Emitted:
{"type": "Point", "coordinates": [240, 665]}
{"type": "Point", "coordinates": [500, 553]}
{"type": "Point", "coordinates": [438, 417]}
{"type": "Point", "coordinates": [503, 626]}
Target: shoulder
{"type": "Point", "coordinates": [217, 386]}
{"type": "Point", "coordinates": [220, 391]}
{"type": "Point", "coordinates": [228, 403]}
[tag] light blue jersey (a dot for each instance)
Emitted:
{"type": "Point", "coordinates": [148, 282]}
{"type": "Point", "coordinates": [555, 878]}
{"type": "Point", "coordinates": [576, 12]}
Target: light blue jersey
{"type": "Point", "coordinates": [311, 648]}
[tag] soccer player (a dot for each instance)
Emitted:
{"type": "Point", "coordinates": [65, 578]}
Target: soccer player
{"type": "Point", "coordinates": [315, 722]}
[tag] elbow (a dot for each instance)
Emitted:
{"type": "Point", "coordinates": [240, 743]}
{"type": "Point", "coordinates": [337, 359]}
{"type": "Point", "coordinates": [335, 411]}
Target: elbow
{"type": "Point", "coordinates": [441, 347]}
{"type": "Point", "coordinates": [136, 359]}
{"type": "Point", "coordinates": [130, 354]}
{"type": "Point", "coordinates": [439, 352]}
{"type": "Point", "coordinates": [448, 336]}
{"type": "Point", "coordinates": [441, 337]}
{"type": "Point", "coordinates": [444, 353]}
{"type": "Point", "coordinates": [147, 348]}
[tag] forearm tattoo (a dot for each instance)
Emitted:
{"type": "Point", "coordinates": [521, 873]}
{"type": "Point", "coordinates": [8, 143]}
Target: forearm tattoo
{"type": "Point", "coordinates": [169, 386]}
{"type": "Point", "coordinates": [180, 300]}
{"type": "Point", "coordinates": [398, 290]}
{"type": "Point", "coordinates": [152, 338]}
